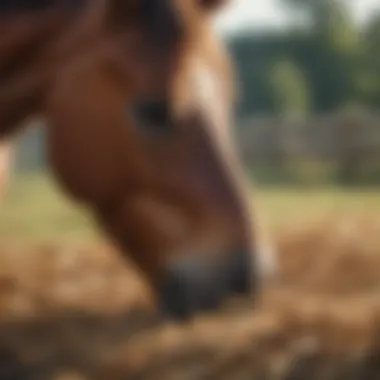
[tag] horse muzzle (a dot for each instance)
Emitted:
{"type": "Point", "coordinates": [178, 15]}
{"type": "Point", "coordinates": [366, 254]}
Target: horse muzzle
{"type": "Point", "coordinates": [193, 284]}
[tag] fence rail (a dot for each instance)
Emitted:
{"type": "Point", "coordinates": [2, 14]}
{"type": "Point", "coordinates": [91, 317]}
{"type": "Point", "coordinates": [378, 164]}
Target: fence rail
{"type": "Point", "coordinates": [350, 142]}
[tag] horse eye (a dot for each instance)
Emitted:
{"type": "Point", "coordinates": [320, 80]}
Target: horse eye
{"type": "Point", "coordinates": [154, 116]}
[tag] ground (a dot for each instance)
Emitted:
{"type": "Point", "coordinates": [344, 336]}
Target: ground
{"type": "Point", "coordinates": [71, 309]}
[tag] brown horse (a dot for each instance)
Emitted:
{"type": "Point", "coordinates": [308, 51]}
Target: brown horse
{"type": "Point", "coordinates": [138, 95]}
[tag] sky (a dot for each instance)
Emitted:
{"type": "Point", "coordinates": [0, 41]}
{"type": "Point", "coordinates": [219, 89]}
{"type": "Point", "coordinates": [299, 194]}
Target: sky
{"type": "Point", "coordinates": [260, 14]}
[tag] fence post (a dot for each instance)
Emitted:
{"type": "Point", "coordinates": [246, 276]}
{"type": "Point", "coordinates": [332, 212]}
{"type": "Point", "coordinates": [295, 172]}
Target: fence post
{"type": "Point", "coordinates": [349, 153]}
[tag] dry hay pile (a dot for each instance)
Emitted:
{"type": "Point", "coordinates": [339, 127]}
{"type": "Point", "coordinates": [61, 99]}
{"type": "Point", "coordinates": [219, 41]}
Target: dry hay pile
{"type": "Point", "coordinates": [320, 320]}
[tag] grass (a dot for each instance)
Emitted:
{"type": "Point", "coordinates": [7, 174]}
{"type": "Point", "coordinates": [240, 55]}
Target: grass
{"type": "Point", "coordinates": [295, 205]}
{"type": "Point", "coordinates": [35, 208]}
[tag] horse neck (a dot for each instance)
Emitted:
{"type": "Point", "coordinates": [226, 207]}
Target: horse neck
{"type": "Point", "coordinates": [26, 41]}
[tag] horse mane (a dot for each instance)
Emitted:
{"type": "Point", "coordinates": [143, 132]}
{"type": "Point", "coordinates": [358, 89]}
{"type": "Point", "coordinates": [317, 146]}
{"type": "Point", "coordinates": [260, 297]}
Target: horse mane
{"type": "Point", "coordinates": [26, 26]}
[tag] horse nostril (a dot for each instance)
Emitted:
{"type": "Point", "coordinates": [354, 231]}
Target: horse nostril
{"type": "Point", "coordinates": [239, 273]}
{"type": "Point", "coordinates": [190, 287]}
{"type": "Point", "coordinates": [174, 298]}
{"type": "Point", "coordinates": [153, 114]}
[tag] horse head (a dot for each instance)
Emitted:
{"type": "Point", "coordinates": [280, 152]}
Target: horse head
{"type": "Point", "coordinates": [140, 130]}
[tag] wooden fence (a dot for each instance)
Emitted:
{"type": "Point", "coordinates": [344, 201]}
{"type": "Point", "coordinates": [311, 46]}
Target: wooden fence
{"type": "Point", "coordinates": [348, 142]}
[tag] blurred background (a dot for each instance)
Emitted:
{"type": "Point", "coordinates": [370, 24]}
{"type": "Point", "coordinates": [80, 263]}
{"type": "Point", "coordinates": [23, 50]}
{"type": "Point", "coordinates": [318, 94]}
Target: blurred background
{"type": "Point", "coordinates": [308, 125]}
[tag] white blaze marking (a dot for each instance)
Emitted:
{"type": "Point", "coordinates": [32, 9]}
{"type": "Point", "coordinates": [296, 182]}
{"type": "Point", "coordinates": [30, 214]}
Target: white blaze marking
{"type": "Point", "coordinates": [210, 92]}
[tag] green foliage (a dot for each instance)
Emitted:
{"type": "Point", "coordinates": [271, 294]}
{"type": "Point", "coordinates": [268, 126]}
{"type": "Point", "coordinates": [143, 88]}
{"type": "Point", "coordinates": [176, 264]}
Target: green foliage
{"type": "Point", "coordinates": [329, 60]}
{"type": "Point", "coordinates": [370, 77]}
{"type": "Point", "coordinates": [290, 90]}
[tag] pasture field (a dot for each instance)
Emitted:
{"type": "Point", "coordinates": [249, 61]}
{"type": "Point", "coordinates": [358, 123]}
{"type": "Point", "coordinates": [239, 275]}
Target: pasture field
{"type": "Point", "coordinates": [72, 309]}
{"type": "Point", "coordinates": [35, 208]}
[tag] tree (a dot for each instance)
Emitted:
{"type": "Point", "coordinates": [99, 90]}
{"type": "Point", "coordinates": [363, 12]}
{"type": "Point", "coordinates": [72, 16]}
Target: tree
{"type": "Point", "coordinates": [369, 78]}
{"type": "Point", "coordinates": [332, 53]}
{"type": "Point", "coordinates": [290, 88]}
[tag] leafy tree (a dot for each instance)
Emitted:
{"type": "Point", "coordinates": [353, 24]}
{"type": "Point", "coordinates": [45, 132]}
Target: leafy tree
{"type": "Point", "coordinates": [291, 93]}
{"type": "Point", "coordinates": [327, 57]}
{"type": "Point", "coordinates": [333, 52]}
{"type": "Point", "coordinates": [370, 75]}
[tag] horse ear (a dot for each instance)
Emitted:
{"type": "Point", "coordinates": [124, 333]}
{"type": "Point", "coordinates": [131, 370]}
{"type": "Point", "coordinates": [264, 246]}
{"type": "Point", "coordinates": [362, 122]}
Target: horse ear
{"type": "Point", "coordinates": [211, 5]}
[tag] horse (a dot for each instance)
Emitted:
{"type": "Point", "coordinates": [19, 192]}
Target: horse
{"type": "Point", "coordinates": [139, 96]}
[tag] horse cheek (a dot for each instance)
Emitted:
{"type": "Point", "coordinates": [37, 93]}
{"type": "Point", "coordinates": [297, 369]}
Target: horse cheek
{"type": "Point", "coordinates": [86, 136]}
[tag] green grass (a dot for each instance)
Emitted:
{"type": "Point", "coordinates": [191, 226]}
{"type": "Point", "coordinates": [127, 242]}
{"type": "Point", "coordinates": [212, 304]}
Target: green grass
{"type": "Point", "coordinates": [282, 206]}
{"type": "Point", "coordinates": [34, 208]}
